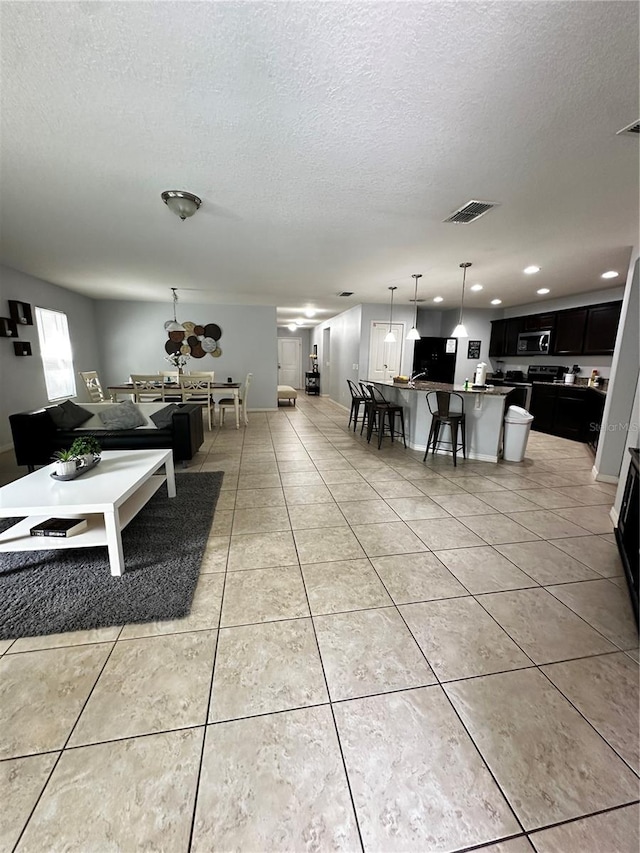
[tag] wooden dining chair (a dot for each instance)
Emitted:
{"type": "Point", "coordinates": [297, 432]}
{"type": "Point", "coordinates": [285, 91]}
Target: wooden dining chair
{"type": "Point", "coordinates": [147, 388]}
{"type": "Point", "coordinates": [203, 374]}
{"type": "Point", "coordinates": [198, 389]}
{"type": "Point", "coordinates": [93, 386]}
{"type": "Point", "coordinates": [229, 402]}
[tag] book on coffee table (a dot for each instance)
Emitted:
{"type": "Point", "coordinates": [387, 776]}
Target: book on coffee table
{"type": "Point", "coordinates": [59, 527]}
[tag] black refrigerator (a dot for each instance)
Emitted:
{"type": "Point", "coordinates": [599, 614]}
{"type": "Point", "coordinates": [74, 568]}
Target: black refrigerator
{"type": "Point", "coordinates": [436, 357]}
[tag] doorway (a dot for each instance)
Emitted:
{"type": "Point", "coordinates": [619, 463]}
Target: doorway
{"type": "Point", "coordinates": [384, 359]}
{"type": "Point", "coordinates": [290, 362]}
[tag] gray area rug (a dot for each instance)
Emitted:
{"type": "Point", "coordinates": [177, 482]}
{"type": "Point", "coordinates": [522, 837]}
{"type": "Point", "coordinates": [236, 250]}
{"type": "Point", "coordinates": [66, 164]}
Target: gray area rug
{"type": "Point", "coordinates": [47, 592]}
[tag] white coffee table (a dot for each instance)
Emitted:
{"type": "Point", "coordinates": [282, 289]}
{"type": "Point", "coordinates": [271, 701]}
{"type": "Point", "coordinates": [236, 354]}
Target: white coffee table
{"type": "Point", "coordinates": [108, 496]}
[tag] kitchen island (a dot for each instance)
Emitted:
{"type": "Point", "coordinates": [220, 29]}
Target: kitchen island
{"type": "Point", "coordinates": [484, 410]}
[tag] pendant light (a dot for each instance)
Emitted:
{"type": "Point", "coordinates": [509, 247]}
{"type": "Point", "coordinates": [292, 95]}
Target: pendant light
{"type": "Point", "coordinates": [173, 325]}
{"type": "Point", "coordinates": [414, 335]}
{"type": "Point", "coordinates": [460, 330]}
{"type": "Point", "coordinates": [390, 338]}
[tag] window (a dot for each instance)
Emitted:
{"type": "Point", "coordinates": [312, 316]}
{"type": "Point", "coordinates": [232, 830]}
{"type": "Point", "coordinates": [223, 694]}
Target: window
{"type": "Point", "coordinates": [55, 349]}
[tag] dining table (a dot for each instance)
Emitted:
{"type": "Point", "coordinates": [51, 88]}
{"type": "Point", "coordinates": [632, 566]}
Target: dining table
{"type": "Point", "coordinates": [171, 392]}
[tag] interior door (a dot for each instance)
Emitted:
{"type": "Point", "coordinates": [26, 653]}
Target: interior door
{"type": "Point", "coordinates": [385, 359]}
{"type": "Point", "coordinates": [290, 362]}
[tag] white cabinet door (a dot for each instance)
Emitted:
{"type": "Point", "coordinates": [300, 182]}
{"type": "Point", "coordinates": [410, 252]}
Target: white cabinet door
{"type": "Point", "coordinates": [289, 361]}
{"type": "Point", "coordinates": [385, 359]}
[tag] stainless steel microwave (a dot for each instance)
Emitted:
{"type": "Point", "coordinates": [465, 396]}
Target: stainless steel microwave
{"type": "Point", "coordinates": [534, 343]}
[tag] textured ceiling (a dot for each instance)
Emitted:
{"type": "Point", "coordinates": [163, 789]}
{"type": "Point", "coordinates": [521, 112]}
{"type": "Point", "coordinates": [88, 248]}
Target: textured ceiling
{"type": "Point", "coordinates": [328, 141]}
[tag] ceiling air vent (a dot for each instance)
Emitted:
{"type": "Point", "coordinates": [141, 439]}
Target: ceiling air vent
{"type": "Point", "coordinates": [633, 128]}
{"type": "Point", "coordinates": [471, 211]}
{"type": "Point", "coordinates": [346, 293]}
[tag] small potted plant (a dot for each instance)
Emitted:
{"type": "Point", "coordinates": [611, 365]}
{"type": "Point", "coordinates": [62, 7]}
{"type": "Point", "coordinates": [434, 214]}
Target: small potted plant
{"type": "Point", "coordinates": [87, 449]}
{"type": "Point", "coordinates": [66, 462]}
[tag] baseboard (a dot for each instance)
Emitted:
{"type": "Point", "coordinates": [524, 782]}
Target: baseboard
{"type": "Point", "coordinates": [603, 478]}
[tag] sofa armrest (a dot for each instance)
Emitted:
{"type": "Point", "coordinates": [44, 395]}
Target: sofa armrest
{"type": "Point", "coordinates": [33, 436]}
{"type": "Point", "coordinates": [188, 431]}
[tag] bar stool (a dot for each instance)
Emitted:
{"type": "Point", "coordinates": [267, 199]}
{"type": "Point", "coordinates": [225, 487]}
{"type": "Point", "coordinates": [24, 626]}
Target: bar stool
{"type": "Point", "coordinates": [441, 414]}
{"type": "Point", "coordinates": [377, 409]}
{"type": "Point", "coordinates": [357, 399]}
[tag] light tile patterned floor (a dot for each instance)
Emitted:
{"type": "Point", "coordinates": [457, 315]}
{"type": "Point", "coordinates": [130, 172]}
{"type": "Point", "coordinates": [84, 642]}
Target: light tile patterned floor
{"type": "Point", "coordinates": [381, 655]}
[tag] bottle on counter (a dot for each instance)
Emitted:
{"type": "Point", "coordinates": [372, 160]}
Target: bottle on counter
{"type": "Point", "coordinates": [466, 384]}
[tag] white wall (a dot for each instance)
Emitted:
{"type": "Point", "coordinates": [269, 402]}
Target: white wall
{"type": "Point", "coordinates": [617, 416]}
{"type": "Point", "coordinates": [132, 339]}
{"type": "Point", "coordinates": [429, 323]}
{"type": "Point", "coordinates": [22, 384]}
{"type": "Point", "coordinates": [344, 333]}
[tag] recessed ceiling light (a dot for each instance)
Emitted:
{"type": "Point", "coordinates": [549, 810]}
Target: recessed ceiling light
{"type": "Point", "coordinates": [476, 287]}
{"type": "Point", "coordinates": [543, 290]}
{"type": "Point", "coordinates": [531, 270]}
{"type": "Point", "coordinates": [299, 321]}
{"type": "Point", "coordinates": [496, 301]}
{"type": "Point", "coordinates": [610, 274]}
{"type": "Point", "coordinates": [310, 313]}
{"type": "Point", "coordinates": [438, 299]}
{"type": "Point", "coordinates": [292, 327]}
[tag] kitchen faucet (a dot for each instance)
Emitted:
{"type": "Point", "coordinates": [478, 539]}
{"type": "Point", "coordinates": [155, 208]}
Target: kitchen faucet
{"type": "Point", "coordinates": [413, 377]}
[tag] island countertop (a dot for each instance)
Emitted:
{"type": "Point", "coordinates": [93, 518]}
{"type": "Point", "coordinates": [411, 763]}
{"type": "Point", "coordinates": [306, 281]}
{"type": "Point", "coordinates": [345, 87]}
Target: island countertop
{"type": "Point", "coordinates": [496, 391]}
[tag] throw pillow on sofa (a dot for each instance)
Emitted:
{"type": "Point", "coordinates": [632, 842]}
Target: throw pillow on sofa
{"type": "Point", "coordinates": [164, 418]}
{"type": "Point", "coordinates": [68, 415]}
{"type": "Point", "coordinates": [122, 416]}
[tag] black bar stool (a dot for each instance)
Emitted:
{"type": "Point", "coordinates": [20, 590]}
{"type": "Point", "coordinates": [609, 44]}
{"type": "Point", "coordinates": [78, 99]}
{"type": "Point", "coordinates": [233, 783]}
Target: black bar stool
{"type": "Point", "coordinates": [441, 414]}
{"type": "Point", "coordinates": [357, 399]}
{"type": "Point", "coordinates": [378, 408]}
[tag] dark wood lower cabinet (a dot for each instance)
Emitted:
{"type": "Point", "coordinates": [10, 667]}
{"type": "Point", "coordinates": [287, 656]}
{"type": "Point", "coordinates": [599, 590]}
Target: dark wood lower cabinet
{"type": "Point", "coordinates": [567, 412]}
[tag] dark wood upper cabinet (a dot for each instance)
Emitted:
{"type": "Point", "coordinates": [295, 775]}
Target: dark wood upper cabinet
{"type": "Point", "coordinates": [513, 329]}
{"type": "Point", "coordinates": [601, 329]}
{"type": "Point", "coordinates": [496, 344]}
{"type": "Point", "coordinates": [538, 322]}
{"type": "Point", "coordinates": [569, 332]}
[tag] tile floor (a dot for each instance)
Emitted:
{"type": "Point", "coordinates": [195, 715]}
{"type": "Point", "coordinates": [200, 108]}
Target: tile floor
{"type": "Point", "coordinates": [381, 655]}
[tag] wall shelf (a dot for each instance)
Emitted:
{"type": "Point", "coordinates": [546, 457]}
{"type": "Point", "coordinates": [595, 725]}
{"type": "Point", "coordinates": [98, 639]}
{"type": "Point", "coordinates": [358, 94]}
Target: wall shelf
{"type": "Point", "coordinates": [8, 328]}
{"type": "Point", "coordinates": [20, 312]}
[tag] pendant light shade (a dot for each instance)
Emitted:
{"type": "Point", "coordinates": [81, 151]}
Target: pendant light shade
{"type": "Point", "coordinates": [460, 330]}
{"type": "Point", "coordinates": [390, 338]}
{"type": "Point", "coordinates": [413, 334]}
{"type": "Point", "coordinates": [173, 325]}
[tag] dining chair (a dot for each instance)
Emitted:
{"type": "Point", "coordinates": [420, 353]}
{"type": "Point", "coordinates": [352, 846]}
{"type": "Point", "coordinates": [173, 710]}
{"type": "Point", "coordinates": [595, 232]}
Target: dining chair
{"type": "Point", "coordinates": [203, 374]}
{"type": "Point", "coordinates": [229, 402]}
{"type": "Point", "coordinates": [198, 389]}
{"type": "Point", "coordinates": [147, 388]}
{"type": "Point", "coordinates": [93, 386]}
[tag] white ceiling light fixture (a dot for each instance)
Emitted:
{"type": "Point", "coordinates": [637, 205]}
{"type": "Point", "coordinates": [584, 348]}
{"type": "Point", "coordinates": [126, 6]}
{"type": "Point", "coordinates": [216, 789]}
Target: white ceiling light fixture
{"type": "Point", "coordinates": [173, 325]}
{"type": "Point", "coordinates": [310, 313]}
{"type": "Point", "coordinates": [390, 338]}
{"type": "Point", "coordinates": [299, 321]}
{"type": "Point", "coordinates": [414, 334]}
{"type": "Point", "coordinates": [610, 274]}
{"type": "Point", "coordinates": [496, 301]}
{"type": "Point", "coordinates": [180, 202]}
{"type": "Point", "coordinates": [438, 298]}
{"type": "Point", "coordinates": [460, 330]}
{"type": "Point", "coordinates": [543, 291]}
{"type": "Point", "coordinates": [292, 327]}
{"type": "Point", "coordinates": [531, 270]}
{"type": "Point", "coordinates": [476, 287]}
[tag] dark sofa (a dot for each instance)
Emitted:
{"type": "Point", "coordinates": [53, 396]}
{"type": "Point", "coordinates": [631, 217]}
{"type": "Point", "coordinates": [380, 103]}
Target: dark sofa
{"type": "Point", "coordinates": [36, 437]}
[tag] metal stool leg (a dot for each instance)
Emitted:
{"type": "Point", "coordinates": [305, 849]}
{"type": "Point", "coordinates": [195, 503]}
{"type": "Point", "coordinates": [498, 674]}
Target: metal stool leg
{"type": "Point", "coordinates": [464, 438]}
{"type": "Point", "coordinates": [430, 438]}
{"type": "Point", "coordinates": [454, 441]}
{"type": "Point", "coordinates": [404, 440]}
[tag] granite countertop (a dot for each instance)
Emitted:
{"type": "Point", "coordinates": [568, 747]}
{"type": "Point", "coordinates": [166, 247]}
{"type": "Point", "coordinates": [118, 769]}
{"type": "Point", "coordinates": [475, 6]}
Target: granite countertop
{"type": "Point", "coordinates": [501, 391]}
{"type": "Point", "coordinates": [579, 387]}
